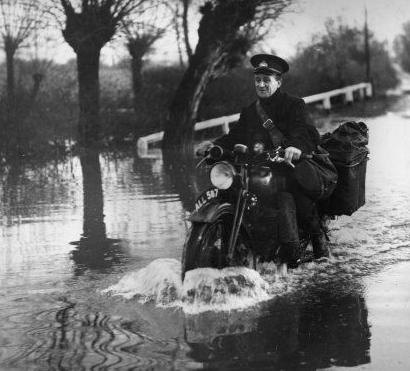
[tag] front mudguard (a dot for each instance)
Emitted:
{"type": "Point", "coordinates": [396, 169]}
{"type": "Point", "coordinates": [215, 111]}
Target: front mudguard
{"type": "Point", "coordinates": [210, 212]}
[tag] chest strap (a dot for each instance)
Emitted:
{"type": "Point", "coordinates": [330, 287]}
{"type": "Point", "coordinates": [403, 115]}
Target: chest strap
{"type": "Point", "coordinates": [275, 134]}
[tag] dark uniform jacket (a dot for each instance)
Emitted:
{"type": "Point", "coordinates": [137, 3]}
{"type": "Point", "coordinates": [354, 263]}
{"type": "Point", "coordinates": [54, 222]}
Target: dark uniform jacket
{"type": "Point", "coordinates": [289, 115]}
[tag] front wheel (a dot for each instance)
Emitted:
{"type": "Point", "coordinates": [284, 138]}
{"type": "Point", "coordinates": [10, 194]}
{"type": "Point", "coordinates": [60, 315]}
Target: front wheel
{"type": "Point", "coordinates": [207, 246]}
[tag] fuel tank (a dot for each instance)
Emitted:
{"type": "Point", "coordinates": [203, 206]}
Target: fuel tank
{"type": "Point", "coordinates": [265, 181]}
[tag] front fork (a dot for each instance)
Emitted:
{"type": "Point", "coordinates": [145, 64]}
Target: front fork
{"type": "Point", "coordinates": [241, 203]}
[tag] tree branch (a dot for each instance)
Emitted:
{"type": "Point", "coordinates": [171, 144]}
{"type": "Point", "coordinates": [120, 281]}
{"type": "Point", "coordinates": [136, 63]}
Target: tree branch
{"type": "Point", "coordinates": [185, 27]}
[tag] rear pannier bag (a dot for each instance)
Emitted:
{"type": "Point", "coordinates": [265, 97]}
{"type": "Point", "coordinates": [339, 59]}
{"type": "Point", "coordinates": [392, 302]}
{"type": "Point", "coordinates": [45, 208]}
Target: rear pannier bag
{"type": "Point", "coordinates": [349, 153]}
{"type": "Point", "coordinates": [317, 176]}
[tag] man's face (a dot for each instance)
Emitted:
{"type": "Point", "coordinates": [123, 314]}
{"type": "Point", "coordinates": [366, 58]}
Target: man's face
{"type": "Point", "coordinates": [266, 85]}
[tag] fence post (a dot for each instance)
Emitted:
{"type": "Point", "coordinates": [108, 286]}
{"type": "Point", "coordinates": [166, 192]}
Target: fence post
{"type": "Point", "coordinates": [142, 146]}
{"type": "Point", "coordinates": [349, 96]}
{"type": "Point", "coordinates": [369, 90]}
{"type": "Point", "coordinates": [326, 104]}
{"type": "Point", "coordinates": [361, 93]}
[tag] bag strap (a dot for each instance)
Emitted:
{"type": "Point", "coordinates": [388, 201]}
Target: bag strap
{"type": "Point", "coordinates": [275, 134]}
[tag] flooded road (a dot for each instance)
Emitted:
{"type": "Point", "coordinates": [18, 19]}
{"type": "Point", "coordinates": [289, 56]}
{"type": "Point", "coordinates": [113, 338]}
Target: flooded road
{"type": "Point", "coordinates": [76, 233]}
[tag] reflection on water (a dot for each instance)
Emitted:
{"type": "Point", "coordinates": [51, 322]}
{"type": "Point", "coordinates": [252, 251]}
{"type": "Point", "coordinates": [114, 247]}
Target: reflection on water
{"type": "Point", "coordinates": [321, 322]}
{"type": "Point", "coordinates": [328, 329]}
{"type": "Point", "coordinates": [94, 250]}
{"type": "Point", "coordinates": [185, 178]}
{"type": "Point", "coordinates": [74, 228]}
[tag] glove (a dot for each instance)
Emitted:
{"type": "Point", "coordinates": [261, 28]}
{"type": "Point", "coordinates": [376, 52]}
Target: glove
{"type": "Point", "coordinates": [292, 153]}
{"type": "Point", "coordinates": [204, 147]}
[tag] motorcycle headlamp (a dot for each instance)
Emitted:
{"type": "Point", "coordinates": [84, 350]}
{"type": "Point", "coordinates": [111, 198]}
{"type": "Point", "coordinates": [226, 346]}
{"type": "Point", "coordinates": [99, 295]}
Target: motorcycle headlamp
{"type": "Point", "coordinates": [222, 174]}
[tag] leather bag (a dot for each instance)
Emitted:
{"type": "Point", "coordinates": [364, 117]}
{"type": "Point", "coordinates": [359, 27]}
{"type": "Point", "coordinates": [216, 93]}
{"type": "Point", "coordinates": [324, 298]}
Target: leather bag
{"type": "Point", "coordinates": [316, 176]}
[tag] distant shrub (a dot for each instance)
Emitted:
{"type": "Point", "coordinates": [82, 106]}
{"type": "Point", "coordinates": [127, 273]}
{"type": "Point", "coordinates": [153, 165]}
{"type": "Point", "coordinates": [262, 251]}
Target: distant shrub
{"type": "Point", "coordinates": [43, 117]}
{"type": "Point", "coordinates": [402, 47]}
{"type": "Point", "coordinates": [336, 59]}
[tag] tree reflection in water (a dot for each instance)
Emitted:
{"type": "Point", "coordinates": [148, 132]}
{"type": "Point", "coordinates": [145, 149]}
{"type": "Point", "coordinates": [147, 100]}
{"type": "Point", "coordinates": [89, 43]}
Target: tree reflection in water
{"type": "Point", "coordinates": [303, 331]}
{"type": "Point", "coordinates": [94, 250]}
{"type": "Point", "coordinates": [185, 178]}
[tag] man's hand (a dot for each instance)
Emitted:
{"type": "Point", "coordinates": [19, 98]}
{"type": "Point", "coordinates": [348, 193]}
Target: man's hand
{"type": "Point", "coordinates": [292, 153]}
{"type": "Point", "coordinates": [204, 147]}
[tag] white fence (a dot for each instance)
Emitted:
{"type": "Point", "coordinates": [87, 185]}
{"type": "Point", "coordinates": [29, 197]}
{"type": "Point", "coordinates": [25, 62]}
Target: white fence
{"type": "Point", "coordinates": [364, 89]}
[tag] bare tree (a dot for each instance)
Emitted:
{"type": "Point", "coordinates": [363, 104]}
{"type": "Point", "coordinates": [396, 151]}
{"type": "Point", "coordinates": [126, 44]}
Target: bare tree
{"type": "Point", "coordinates": [142, 30]}
{"type": "Point", "coordinates": [40, 55]}
{"type": "Point", "coordinates": [19, 19]}
{"type": "Point", "coordinates": [227, 30]}
{"type": "Point", "coordinates": [186, 4]}
{"type": "Point", "coordinates": [176, 11]}
{"type": "Point", "coordinates": [181, 26]}
{"type": "Point", "coordinates": [89, 25]}
{"type": "Point", "coordinates": [139, 43]}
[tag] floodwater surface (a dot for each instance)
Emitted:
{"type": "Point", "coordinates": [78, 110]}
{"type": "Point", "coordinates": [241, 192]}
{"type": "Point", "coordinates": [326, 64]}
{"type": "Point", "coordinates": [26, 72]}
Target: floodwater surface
{"type": "Point", "coordinates": [90, 274]}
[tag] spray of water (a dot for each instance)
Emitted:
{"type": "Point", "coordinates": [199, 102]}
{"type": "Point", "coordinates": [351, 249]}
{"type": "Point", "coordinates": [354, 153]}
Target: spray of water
{"type": "Point", "coordinates": [203, 289]}
{"type": "Point", "coordinates": [159, 281]}
{"type": "Point", "coordinates": [230, 288]}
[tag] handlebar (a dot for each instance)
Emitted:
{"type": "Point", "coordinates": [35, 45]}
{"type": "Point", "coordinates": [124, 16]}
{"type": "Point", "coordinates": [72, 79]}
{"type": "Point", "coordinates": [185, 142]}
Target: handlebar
{"type": "Point", "coordinates": [216, 153]}
{"type": "Point", "coordinates": [279, 155]}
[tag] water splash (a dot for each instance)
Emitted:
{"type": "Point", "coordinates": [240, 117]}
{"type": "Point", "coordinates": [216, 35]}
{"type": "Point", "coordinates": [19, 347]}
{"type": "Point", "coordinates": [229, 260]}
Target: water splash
{"type": "Point", "coordinates": [159, 281]}
{"type": "Point", "coordinates": [229, 288]}
{"type": "Point", "coordinates": [203, 289]}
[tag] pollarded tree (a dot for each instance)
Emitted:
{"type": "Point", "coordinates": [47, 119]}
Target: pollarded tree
{"type": "Point", "coordinates": [142, 30]}
{"type": "Point", "coordinates": [89, 25]}
{"type": "Point", "coordinates": [139, 44]}
{"type": "Point", "coordinates": [19, 19]}
{"type": "Point", "coordinates": [227, 30]}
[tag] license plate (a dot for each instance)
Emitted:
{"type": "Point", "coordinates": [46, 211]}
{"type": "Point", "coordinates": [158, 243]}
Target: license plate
{"type": "Point", "coordinates": [205, 197]}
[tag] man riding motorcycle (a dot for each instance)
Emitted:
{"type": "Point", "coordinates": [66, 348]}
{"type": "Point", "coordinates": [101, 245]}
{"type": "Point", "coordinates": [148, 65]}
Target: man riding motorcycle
{"type": "Point", "coordinates": [278, 119]}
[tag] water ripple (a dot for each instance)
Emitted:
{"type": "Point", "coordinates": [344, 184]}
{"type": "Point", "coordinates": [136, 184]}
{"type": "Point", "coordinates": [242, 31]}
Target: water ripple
{"type": "Point", "coordinates": [78, 341]}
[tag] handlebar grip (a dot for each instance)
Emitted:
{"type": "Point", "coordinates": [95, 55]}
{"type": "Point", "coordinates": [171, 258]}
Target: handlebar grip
{"type": "Point", "coordinates": [200, 152]}
{"type": "Point", "coordinates": [281, 153]}
{"type": "Point", "coordinates": [305, 156]}
{"type": "Point", "coordinates": [215, 152]}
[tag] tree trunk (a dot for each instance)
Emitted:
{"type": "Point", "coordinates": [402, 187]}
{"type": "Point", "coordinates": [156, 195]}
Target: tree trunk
{"type": "Point", "coordinates": [37, 80]}
{"type": "Point", "coordinates": [136, 70]}
{"type": "Point", "coordinates": [10, 51]}
{"type": "Point", "coordinates": [184, 108]}
{"type": "Point", "coordinates": [178, 37]}
{"type": "Point", "coordinates": [217, 35]}
{"type": "Point", "coordinates": [12, 126]}
{"type": "Point", "coordinates": [366, 46]}
{"type": "Point", "coordinates": [185, 27]}
{"type": "Point", "coordinates": [89, 96]}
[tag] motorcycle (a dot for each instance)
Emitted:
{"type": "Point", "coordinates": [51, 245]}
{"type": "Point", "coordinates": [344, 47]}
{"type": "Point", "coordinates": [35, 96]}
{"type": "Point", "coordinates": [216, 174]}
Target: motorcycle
{"type": "Point", "coordinates": [248, 215]}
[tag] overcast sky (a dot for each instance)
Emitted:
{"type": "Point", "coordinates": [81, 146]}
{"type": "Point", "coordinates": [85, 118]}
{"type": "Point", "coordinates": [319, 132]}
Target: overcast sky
{"type": "Point", "coordinates": [307, 17]}
{"type": "Point", "coordinates": [385, 18]}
